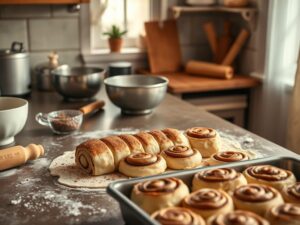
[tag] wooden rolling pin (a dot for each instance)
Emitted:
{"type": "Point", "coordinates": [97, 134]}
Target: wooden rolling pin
{"type": "Point", "coordinates": [92, 107]}
{"type": "Point", "coordinates": [18, 155]}
{"type": "Point", "coordinates": [211, 35]}
{"type": "Point", "coordinates": [236, 47]}
{"type": "Point", "coordinates": [224, 42]}
{"type": "Point", "coordinates": [209, 69]}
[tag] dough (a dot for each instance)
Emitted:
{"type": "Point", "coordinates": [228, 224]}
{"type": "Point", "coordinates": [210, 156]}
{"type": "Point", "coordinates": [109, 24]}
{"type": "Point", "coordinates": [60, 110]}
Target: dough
{"type": "Point", "coordinates": [72, 176]}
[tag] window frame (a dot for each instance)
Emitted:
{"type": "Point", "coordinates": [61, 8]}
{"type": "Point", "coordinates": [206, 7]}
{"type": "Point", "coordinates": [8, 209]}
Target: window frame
{"type": "Point", "coordinates": [130, 54]}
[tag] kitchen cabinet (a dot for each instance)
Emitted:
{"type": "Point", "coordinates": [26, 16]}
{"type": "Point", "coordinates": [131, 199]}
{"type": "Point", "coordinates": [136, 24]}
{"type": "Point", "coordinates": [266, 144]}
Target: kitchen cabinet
{"type": "Point", "coordinates": [228, 99]}
{"type": "Point", "coordinates": [30, 195]}
{"type": "Point", "coordinates": [29, 2]}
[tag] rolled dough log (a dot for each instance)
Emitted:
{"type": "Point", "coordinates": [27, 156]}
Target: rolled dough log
{"type": "Point", "coordinates": [72, 176]}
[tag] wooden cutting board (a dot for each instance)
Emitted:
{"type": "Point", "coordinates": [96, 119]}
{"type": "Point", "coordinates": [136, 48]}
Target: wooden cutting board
{"type": "Point", "coordinates": [163, 46]}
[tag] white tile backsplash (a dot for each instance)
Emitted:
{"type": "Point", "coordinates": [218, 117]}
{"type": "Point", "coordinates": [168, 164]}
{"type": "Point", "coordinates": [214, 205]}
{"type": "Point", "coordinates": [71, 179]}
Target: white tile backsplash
{"type": "Point", "coordinates": [13, 30]}
{"type": "Point", "coordinates": [54, 34]}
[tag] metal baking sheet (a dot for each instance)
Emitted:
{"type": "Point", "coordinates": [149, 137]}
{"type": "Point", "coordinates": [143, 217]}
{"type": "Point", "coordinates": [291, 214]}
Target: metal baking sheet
{"type": "Point", "coordinates": [133, 214]}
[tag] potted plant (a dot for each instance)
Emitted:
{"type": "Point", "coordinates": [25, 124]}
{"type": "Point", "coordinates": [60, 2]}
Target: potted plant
{"type": "Point", "coordinates": [115, 40]}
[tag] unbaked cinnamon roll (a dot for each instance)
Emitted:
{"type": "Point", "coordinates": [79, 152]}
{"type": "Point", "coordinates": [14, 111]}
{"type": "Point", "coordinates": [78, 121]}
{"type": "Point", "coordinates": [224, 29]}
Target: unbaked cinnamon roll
{"type": "Point", "coordinates": [94, 157]}
{"type": "Point", "coordinates": [182, 157]}
{"type": "Point", "coordinates": [177, 216]}
{"type": "Point", "coordinates": [227, 157]}
{"type": "Point", "coordinates": [207, 202]}
{"type": "Point", "coordinates": [285, 214]}
{"type": "Point", "coordinates": [135, 146]}
{"type": "Point", "coordinates": [142, 164]}
{"type": "Point", "coordinates": [149, 143]}
{"type": "Point", "coordinates": [291, 193]}
{"type": "Point", "coordinates": [257, 198]}
{"type": "Point", "coordinates": [118, 148]}
{"type": "Point", "coordinates": [205, 140]}
{"type": "Point", "coordinates": [226, 179]}
{"type": "Point", "coordinates": [157, 194]}
{"type": "Point", "coordinates": [270, 175]}
{"type": "Point", "coordinates": [176, 136]}
{"type": "Point", "coordinates": [163, 141]}
{"type": "Point", "coordinates": [238, 217]}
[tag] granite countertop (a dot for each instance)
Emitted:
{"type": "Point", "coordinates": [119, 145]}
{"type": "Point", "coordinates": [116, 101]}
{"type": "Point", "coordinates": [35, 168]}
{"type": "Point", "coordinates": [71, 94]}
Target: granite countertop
{"type": "Point", "coordinates": [30, 195]}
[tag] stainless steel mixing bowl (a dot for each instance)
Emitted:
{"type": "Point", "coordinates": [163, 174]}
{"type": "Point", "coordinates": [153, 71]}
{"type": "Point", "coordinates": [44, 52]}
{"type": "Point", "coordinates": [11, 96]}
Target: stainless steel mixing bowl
{"type": "Point", "coordinates": [136, 94]}
{"type": "Point", "coordinates": [77, 82]}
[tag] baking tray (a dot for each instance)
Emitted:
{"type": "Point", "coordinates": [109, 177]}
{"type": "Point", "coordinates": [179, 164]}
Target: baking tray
{"type": "Point", "coordinates": [133, 214]}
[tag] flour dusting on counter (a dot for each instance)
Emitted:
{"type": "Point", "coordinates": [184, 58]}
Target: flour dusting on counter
{"type": "Point", "coordinates": [43, 201]}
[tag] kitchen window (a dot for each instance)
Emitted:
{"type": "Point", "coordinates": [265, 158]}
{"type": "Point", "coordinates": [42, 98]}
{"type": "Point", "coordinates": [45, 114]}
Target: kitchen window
{"type": "Point", "coordinates": [130, 15]}
{"type": "Point", "coordinates": [99, 15]}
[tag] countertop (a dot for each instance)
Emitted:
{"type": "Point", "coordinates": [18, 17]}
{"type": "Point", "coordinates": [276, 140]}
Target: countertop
{"type": "Point", "coordinates": [30, 195]}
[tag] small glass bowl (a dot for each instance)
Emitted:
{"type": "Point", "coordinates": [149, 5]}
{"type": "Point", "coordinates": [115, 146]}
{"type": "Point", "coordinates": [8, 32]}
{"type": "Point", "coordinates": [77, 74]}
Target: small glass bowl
{"type": "Point", "coordinates": [62, 121]}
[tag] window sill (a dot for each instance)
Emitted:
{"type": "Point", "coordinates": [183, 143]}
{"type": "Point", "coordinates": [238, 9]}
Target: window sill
{"type": "Point", "coordinates": [104, 56]}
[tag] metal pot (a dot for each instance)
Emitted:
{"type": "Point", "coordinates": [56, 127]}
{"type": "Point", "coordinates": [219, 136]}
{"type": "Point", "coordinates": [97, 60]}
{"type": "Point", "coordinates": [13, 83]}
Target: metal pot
{"type": "Point", "coordinates": [77, 82]}
{"type": "Point", "coordinates": [15, 71]}
{"type": "Point", "coordinates": [43, 73]}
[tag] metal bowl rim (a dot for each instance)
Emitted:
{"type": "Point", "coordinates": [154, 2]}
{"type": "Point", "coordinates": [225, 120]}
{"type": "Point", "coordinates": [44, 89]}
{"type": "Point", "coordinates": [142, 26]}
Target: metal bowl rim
{"type": "Point", "coordinates": [164, 82]}
{"type": "Point", "coordinates": [98, 70]}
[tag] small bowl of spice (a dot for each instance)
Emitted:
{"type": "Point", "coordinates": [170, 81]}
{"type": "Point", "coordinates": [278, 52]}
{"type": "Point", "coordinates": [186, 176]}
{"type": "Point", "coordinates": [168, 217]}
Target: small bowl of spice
{"type": "Point", "coordinates": [62, 121]}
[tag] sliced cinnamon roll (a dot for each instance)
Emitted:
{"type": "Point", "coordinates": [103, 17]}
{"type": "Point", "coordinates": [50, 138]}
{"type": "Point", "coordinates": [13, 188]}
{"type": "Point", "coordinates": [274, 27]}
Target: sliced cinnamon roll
{"type": "Point", "coordinates": [205, 140]}
{"type": "Point", "coordinates": [118, 148]}
{"type": "Point", "coordinates": [207, 202]}
{"type": "Point", "coordinates": [149, 143]}
{"type": "Point", "coordinates": [226, 179]}
{"type": "Point", "coordinates": [238, 217]}
{"type": "Point", "coordinates": [142, 164]}
{"type": "Point", "coordinates": [163, 141]}
{"type": "Point", "coordinates": [133, 143]}
{"type": "Point", "coordinates": [257, 198]}
{"type": "Point", "coordinates": [228, 157]}
{"type": "Point", "coordinates": [176, 136]}
{"type": "Point", "coordinates": [182, 157]}
{"type": "Point", "coordinates": [291, 193]}
{"type": "Point", "coordinates": [270, 175]}
{"type": "Point", "coordinates": [157, 194]}
{"type": "Point", "coordinates": [285, 214]}
{"type": "Point", "coordinates": [94, 157]}
{"type": "Point", "coordinates": [177, 216]}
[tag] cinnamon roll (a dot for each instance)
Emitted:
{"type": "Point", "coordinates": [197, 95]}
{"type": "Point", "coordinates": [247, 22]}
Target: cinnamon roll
{"type": "Point", "coordinates": [142, 164]}
{"type": "Point", "coordinates": [205, 140]}
{"type": "Point", "coordinates": [182, 157]}
{"type": "Point", "coordinates": [285, 214]}
{"type": "Point", "coordinates": [226, 179]}
{"type": "Point", "coordinates": [176, 136]}
{"type": "Point", "coordinates": [132, 142]}
{"type": "Point", "coordinates": [94, 157]}
{"type": "Point", "coordinates": [291, 193]}
{"type": "Point", "coordinates": [118, 148]}
{"type": "Point", "coordinates": [149, 143]}
{"type": "Point", "coordinates": [163, 141]}
{"type": "Point", "coordinates": [177, 216]}
{"type": "Point", "coordinates": [157, 194]}
{"type": "Point", "coordinates": [257, 198]}
{"type": "Point", "coordinates": [238, 217]}
{"type": "Point", "coordinates": [207, 202]}
{"type": "Point", "coordinates": [227, 157]}
{"type": "Point", "coordinates": [270, 175]}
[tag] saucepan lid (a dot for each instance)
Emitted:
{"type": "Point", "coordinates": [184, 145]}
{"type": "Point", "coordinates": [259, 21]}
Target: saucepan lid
{"type": "Point", "coordinates": [16, 51]}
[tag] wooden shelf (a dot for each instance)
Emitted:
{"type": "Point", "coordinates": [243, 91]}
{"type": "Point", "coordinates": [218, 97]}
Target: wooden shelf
{"type": "Point", "coordinates": [181, 83]}
{"type": "Point", "coordinates": [247, 13]}
{"type": "Point", "coordinates": [39, 2]}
